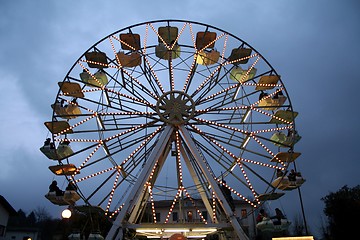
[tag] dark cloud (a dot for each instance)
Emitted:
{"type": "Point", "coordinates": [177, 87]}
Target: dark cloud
{"type": "Point", "coordinates": [312, 44]}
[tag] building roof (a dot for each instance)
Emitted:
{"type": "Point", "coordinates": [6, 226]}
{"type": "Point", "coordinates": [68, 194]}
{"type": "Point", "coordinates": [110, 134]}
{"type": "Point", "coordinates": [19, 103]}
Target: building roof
{"type": "Point", "coordinates": [7, 206]}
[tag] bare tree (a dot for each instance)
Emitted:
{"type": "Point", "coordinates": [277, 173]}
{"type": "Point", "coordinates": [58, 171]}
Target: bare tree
{"type": "Point", "coordinates": [298, 228]}
{"type": "Point", "coordinates": [42, 214]}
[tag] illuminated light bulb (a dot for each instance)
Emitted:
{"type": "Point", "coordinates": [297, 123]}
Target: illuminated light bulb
{"type": "Point", "coordinates": [66, 214]}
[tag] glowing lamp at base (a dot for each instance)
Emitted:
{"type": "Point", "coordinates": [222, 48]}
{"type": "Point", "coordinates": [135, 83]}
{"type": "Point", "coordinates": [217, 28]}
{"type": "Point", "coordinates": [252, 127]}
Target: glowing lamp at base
{"type": "Point", "coordinates": [66, 214]}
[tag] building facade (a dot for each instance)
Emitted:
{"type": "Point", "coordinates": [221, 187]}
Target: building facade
{"type": "Point", "coordinates": [6, 210]}
{"type": "Point", "coordinates": [193, 211]}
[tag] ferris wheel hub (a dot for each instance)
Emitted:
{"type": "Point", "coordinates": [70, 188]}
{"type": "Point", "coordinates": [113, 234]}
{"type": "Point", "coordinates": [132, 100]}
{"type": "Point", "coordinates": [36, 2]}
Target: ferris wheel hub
{"type": "Point", "coordinates": [175, 107]}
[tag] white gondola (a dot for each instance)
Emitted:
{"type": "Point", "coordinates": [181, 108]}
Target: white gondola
{"type": "Point", "coordinates": [270, 196]}
{"type": "Point", "coordinates": [162, 52]}
{"type": "Point", "coordinates": [208, 58]}
{"type": "Point", "coordinates": [99, 79]}
{"type": "Point", "coordinates": [242, 76]}
{"type": "Point", "coordinates": [95, 236]}
{"type": "Point", "coordinates": [268, 225]}
{"type": "Point", "coordinates": [282, 140]}
{"type": "Point", "coordinates": [283, 183]}
{"type": "Point", "coordinates": [63, 151]}
{"type": "Point", "coordinates": [69, 198]}
{"type": "Point", "coordinates": [74, 236]}
{"type": "Point", "coordinates": [49, 152]}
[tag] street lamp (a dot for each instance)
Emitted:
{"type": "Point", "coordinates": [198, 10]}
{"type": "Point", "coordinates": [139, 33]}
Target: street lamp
{"type": "Point", "coordinates": [66, 214]}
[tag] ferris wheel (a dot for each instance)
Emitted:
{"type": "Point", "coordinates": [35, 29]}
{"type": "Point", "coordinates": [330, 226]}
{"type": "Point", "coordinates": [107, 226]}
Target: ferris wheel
{"type": "Point", "coordinates": [171, 109]}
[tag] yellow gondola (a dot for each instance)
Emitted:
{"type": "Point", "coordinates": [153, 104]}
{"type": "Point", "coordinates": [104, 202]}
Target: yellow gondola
{"type": "Point", "coordinates": [56, 127]}
{"type": "Point", "coordinates": [283, 116]}
{"type": "Point", "coordinates": [99, 79]}
{"type": "Point", "coordinates": [267, 82]}
{"type": "Point", "coordinates": [68, 112]}
{"type": "Point", "coordinates": [272, 103]}
{"type": "Point", "coordinates": [208, 57]}
{"type": "Point", "coordinates": [282, 140]}
{"type": "Point", "coordinates": [285, 157]}
{"type": "Point", "coordinates": [242, 76]}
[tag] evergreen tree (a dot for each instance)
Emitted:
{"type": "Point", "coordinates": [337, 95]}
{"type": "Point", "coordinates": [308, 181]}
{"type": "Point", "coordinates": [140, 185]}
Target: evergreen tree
{"type": "Point", "coordinates": [31, 219]}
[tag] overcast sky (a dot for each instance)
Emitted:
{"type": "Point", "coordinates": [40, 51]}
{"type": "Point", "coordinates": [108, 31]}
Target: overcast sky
{"type": "Point", "coordinates": [314, 44]}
